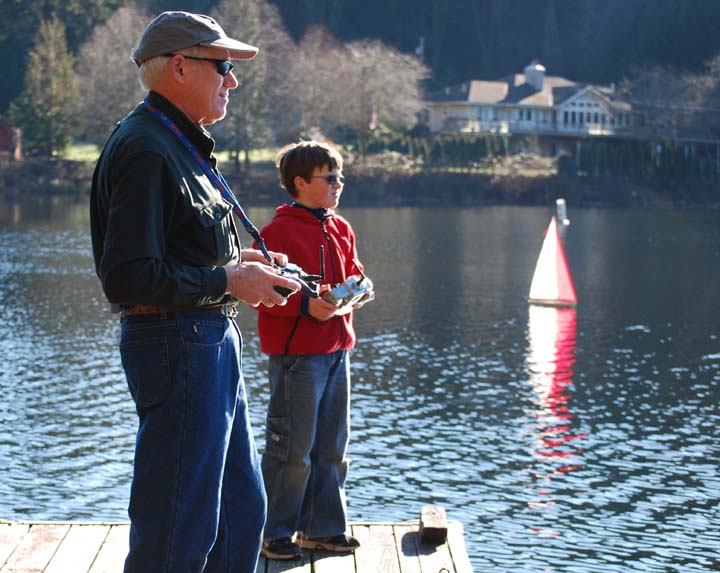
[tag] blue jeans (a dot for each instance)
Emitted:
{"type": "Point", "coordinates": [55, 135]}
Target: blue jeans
{"type": "Point", "coordinates": [197, 501]}
{"type": "Point", "coordinates": [304, 465]}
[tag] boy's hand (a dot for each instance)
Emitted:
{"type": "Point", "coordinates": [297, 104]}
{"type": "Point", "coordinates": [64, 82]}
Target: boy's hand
{"type": "Point", "coordinates": [367, 297]}
{"type": "Point", "coordinates": [256, 255]}
{"type": "Point", "coordinates": [321, 310]}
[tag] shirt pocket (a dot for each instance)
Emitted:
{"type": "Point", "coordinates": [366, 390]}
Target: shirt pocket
{"type": "Point", "coordinates": [216, 222]}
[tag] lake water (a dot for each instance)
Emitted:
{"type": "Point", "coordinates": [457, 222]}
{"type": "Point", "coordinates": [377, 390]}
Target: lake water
{"type": "Point", "coordinates": [574, 441]}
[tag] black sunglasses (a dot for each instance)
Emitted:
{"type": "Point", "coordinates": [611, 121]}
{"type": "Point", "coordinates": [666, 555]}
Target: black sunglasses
{"type": "Point", "coordinates": [224, 67]}
{"type": "Point", "coordinates": [332, 179]}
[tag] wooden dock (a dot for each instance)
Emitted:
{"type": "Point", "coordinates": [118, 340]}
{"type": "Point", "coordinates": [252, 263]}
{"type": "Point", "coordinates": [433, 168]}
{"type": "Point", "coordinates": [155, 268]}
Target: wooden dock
{"type": "Point", "coordinates": [73, 547]}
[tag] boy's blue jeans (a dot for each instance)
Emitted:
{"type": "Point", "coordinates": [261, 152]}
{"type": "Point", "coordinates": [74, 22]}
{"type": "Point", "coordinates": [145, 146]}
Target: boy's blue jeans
{"type": "Point", "coordinates": [304, 465]}
{"type": "Point", "coordinates": [197, 501]}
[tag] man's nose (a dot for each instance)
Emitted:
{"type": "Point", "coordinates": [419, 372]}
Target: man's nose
{"type": "Point", "coordinates": [231, 81]}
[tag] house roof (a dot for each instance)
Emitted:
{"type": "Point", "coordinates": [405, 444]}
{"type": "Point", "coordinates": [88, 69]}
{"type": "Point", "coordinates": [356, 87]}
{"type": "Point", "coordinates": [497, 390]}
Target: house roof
{"type": "Point", "coordinates": [515, 90]}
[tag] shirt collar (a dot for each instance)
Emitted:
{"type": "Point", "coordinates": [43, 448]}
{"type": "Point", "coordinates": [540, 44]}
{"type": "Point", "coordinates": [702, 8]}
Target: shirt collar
{"type": "Point", "coordinates": [321, 213]}
{"type": "Point", "coordinates": [197, 135]}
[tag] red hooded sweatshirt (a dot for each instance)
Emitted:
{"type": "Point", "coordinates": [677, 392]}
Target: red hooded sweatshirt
{"type": "Point", "coordinates": [299, 232]}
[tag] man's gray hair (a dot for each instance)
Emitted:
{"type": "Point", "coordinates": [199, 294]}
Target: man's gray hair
{"type": "Point", "coordinates": [150, 72]}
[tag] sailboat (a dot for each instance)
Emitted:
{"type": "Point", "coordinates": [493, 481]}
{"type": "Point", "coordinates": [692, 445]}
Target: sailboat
{"type": "Point", "coordinates": [552, 284]}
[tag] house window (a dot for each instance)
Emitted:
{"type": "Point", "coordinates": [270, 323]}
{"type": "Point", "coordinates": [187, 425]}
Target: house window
{"type": "Point", "coordinates": [572, 118]}
{"type": "Point", "coordinates": [565, 118]}
{"type": "Point", "coordinates": [596, 118]}
{"type": "Point", "coordinates": [528, 115]}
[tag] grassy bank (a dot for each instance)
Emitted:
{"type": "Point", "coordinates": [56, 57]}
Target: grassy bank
{"type": "Point", "coordinates": [396, 180]}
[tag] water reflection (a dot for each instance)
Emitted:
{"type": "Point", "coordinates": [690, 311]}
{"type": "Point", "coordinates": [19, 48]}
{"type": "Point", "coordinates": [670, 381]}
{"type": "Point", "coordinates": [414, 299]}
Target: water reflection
{"type": "Point", "coordinates": [552, 335]}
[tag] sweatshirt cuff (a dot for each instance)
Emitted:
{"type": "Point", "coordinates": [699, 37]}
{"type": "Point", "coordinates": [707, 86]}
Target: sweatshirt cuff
{"type": "Point", "coordinates": [304, 303]}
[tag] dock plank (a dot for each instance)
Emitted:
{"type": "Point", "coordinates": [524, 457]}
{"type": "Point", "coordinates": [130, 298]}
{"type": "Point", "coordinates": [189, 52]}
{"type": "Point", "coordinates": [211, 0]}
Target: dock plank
{"type": "Point", "coordinates": [326, 562]}
{"type": "Point", "coordinates": [377, 553]}
{"type": "Point", "coordinates": [78, 549]}
{"type": "Point", "coordinates": [36, 548]}
{"type": "Point", "coordinates": [406, 540]}
{"type": "Point", "coordinates": [10, 536]}
{"type": "Point", "coordinates": [111, 557]}
{"type": "Point", "coordinates": [302, 565]}
{"type": "Point", "coordinates": [56, 547]}
{"type": "Point", "coordinates": [458, 549]}
{"type": "Point", "coordinates": [435, 558]}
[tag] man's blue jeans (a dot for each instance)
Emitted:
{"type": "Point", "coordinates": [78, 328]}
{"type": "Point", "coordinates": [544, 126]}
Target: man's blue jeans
{"type": "Point", "coordinates": [304, 465]}
{"type": "Point", "coordinates": [197, 501]}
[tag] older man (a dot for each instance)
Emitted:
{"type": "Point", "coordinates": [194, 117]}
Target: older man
{"type": "Point", "coordinates": [168, 255]}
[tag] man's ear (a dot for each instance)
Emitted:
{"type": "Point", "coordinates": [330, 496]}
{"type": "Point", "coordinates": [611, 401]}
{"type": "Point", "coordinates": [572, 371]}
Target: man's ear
{"type": "Point", "coordinates": [176, 64]}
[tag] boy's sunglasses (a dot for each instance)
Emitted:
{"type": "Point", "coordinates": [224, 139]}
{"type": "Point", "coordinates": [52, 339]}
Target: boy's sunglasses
{"type": "Point", "coordinates": [224, 67]}
{"type": "Point", "coordinates": [331, 179]}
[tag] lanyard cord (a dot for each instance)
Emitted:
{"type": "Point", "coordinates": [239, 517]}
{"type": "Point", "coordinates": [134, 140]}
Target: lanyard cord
{"type": "Point", "coordinates": [215, 177]}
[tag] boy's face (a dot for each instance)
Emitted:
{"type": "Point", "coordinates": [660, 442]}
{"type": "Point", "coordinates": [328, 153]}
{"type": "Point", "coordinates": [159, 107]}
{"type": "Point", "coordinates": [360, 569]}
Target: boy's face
{"type": "Point", "coordinates": [319, 192]}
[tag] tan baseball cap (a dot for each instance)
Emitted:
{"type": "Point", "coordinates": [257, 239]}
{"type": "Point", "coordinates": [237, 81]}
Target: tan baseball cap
{"type": "Point", "coordinates": [172, 31]}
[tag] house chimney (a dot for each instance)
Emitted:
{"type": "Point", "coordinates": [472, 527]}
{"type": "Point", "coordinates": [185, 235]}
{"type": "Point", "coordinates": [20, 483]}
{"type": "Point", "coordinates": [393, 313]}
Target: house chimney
{"type": "Point", "coordinates": [535, 75]}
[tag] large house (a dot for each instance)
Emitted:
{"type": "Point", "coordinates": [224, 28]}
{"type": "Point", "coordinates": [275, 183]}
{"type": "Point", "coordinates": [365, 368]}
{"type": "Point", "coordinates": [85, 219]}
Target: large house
{"type": "Point", "coordinates": [533, 103]}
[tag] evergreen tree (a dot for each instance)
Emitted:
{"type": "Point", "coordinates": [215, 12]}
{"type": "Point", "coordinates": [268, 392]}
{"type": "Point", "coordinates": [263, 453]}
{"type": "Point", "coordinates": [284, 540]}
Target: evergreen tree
{"type": "Point", "coordinates": [20, 21]}
{"type": "Point", "coordinates": [47, 110]}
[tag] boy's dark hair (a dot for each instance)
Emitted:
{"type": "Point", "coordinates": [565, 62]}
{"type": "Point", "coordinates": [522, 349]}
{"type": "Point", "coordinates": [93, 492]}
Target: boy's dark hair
{"type": "Point", "coordinates": [301, 159]}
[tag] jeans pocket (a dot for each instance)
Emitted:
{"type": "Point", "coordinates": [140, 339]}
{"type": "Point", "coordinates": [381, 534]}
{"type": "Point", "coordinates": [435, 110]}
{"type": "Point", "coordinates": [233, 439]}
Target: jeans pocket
{"type": "Point", "coordinates": [147, 369]}
{"type": "Point", "coordinates": [276, 438]}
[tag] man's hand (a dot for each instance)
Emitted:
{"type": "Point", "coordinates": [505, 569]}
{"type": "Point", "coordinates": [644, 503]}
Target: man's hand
{"type": "Point", "coordinates": [253, 283]}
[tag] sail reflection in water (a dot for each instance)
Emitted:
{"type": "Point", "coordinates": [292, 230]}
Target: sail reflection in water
{"type": "Point", "coordinates": [550, 359]}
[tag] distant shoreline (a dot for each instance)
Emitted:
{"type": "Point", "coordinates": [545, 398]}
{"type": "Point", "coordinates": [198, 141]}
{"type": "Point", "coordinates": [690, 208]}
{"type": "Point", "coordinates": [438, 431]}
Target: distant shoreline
{"type": "Point", "coordinates": [369, 187]}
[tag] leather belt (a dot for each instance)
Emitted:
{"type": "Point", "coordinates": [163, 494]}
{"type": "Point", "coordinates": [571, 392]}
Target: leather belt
{"type": "Point", "coordinates": [229, 310]}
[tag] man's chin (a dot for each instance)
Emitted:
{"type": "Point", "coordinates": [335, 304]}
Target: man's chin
{"type": "Point", "coordinates": [211, 120]}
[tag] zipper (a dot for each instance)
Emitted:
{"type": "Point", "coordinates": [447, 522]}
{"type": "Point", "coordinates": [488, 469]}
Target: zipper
{"type": "Point", "coordinates": [334, 273]}
{"type": "Point", "coordinates": [330, 253]}
{"type": "Point", "coordinates": [334, 283]}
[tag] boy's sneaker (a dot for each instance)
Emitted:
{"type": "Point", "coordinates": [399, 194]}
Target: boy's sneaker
{"type": "Point", "coordinates": [281, 548]}
{"type": "Point", "coordinates": [338, 543]}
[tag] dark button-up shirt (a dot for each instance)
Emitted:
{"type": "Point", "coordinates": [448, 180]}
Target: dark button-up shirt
{"type": "Point", "coordinates": [161, 232]}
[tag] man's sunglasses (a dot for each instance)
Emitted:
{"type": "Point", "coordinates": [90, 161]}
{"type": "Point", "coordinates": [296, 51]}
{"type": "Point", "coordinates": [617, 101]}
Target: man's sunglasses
{"type": "Point", "coordinates": [332, 179]}
{"type": "Point", "coordinates": [224, 67]}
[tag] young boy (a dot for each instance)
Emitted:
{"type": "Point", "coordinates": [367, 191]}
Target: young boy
{"type": "Point", "coordinates": [308, 340]}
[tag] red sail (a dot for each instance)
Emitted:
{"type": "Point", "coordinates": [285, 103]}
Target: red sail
{"type": "Point", "coordinates": [552, 283]}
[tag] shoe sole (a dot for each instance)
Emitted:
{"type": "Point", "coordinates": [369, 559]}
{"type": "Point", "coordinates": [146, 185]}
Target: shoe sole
{"type": "Point", "coordinates": [279, 556]}
{"type": "Point", "coordinates": [310, 546]}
